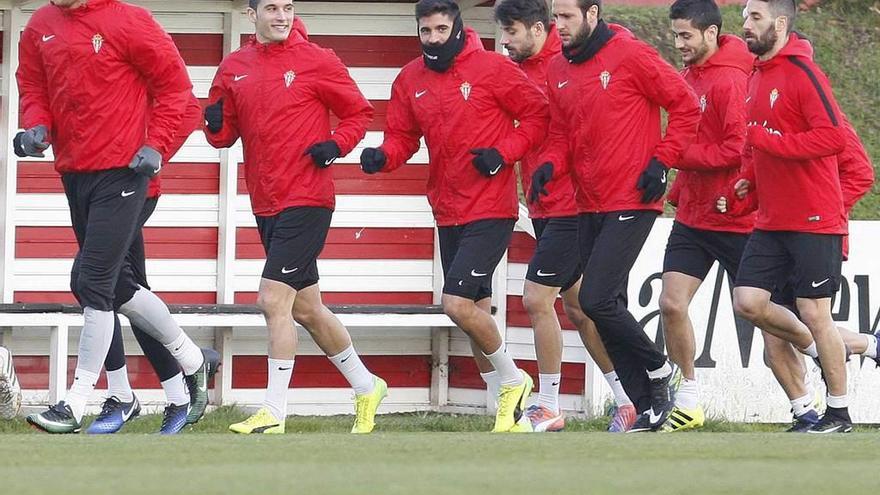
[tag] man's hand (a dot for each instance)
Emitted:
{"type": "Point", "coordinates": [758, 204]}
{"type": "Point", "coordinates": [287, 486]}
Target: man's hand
{"type": "Point", "coordinates": [324, 153]}
{"type": "Point", "coordinates": [214, 116]}
{"type": "Point", "coordinates": [31, 142]}
{"type": "Point", "coordinates": [372, 160]}
{"type": "Point", "coordinates": [652, 182]}
{"type": "Point", "coordinates": [540, 178]}
{"type": "Point", "coordinates": [147, 161]}
{"type": "Point", "coordinates": [488, 161]}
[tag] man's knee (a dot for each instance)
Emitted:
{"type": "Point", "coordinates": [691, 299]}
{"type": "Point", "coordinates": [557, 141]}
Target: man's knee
{"type": "Point", "coordinates": [751, 304]}
{"type": "Point", "coordinates": [574, 313]}
{"type": "Point", "coordinates": [274, 302]}
{"type": "Point", "coordinates": [814, 315]}
{"type": "Point", "coordinates": [596, 305]}
{"type": "Point", "coordinates": [536, 302]}
{"type": "Point", "coordinates": [457, 307]}
{"type": "Point", "coordinates": [88, 292]}
{"type": "Point", "coordinates": [308, 315]}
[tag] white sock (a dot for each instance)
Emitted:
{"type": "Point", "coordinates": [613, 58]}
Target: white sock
{"type": "Point", "coordinates": [175, 390]}
{"type": "Point", "coordinates": [118, 385]}
{"type": "Point", "coordinates": [688, 394]}
{"type": "Point", "coordinates": [349, 364]}
{"type": "Point", "coordinates": [280, 371]}
{"type": "Point", "coordinates": [83, 385]}
{"type": "Point", "coordinates": [620, 397]}
{"type": "Point", "coordinates": [661, 372]}
{"type": "Point", "coordinates": [548, 394]}
{"type": "Point", "coordinates": [871, 351]}
{"type": "Point", "coordinates": [493, 383]}
{"type": "Point", "coordinates": [802, 405]}
{"type": "Point", "coordinates": [508, 373]}
{"type": "Point", "coordinates": [188, 355]}
{"type": "Point", "coordinates": [837, 401]}
{"type": "Point", "coordinates": [811, 350]}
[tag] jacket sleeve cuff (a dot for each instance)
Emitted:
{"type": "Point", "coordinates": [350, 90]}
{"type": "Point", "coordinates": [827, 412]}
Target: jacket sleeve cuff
{"type": "Point", "coordinates": [505, 155]}
{"type": "Point", "coordinates": [344, 148]}
{"type": "Point", "coordinates": [156, 145]}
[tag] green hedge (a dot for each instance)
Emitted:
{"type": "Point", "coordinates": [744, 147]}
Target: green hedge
{"type": "Point", "coordinates": [846, 37]}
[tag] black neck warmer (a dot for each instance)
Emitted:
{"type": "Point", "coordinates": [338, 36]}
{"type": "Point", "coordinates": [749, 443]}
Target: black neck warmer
{"type": "Point", "coordinates": [440, 58]}
{"type": "Point", "coordinates": [583, 51]}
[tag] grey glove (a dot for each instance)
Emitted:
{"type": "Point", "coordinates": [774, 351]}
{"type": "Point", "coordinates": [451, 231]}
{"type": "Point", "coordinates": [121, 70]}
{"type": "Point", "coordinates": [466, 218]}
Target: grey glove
{"type": "Point", "coordinates": [31, 142]}
{"type": "Point", "coordinates": [147, 161]}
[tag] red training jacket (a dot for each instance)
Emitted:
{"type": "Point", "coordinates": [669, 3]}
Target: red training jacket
{"type": "Point", "coordinates": [277, 98]}
{"type": "Point", "coordinates": [795, 133]}
{"type": "Point", "coordinates": [713, 159]}
{"type": "Point", "coordinates": [560, 202]}
{"type": "Point", "coordinates": [605, 116]}
{"type": "Point", "coordinates": [471, 105]}
{"type": "Point", "coordinates": [105, 79]}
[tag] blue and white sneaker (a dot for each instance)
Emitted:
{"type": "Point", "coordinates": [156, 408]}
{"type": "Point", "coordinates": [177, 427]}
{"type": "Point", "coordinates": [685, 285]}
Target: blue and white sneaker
{"type": "Point", "coordinates": [173, 419]}
{"type": "Point", "coordinates": [804, 422]}
{"type": "Point", "coordinates": [114, 414]}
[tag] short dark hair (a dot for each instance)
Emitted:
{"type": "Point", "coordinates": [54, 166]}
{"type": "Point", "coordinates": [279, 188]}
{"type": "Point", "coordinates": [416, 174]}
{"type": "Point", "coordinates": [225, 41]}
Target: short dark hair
{"type": "Point", "coordinates": [528, 12]}
{"type": "Point", "coordinates": [254, 4]}
{"type": "Point", "coordinates": [785, 8]}
{"type": "Point", "coordinates": [701, 13]}
{"type": "Point", "coordinates": [424, 8]}
{"type": "Point", "coordinates": [586, 5]}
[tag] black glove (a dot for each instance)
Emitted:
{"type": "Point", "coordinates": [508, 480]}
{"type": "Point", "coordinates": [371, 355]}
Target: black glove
{"type": "Point", "coordinates": [324, 153]}
{"type": "Point", "coordinates": [652, 182]}
{"type": "Point", "coordinates": [31, 142]}
{"type": "Point", "coordinates": [540, 178]}
{"type": "Point", "coordinates": [372, 160]}
{"type": "Point", "coordinates": [214, 116]}
{"type": "Point", "coordinates": [147, 161]}
{"type": "Point", "coordinates": [488, 161]}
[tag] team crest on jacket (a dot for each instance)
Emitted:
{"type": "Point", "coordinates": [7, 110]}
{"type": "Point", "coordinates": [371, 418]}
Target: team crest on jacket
{"type": "Point", "coordinates": [289, 76]}
{"type": "Point", "coordinates": [97, 42]}
{"type": "Point", "coordinates": [703, 103]}
{"type": "Point", "coordinates": [465, 90]}
{"type": "Point", "coordinates": [774, 95]}
{"type": "Point", "coordinates": [605, 78]}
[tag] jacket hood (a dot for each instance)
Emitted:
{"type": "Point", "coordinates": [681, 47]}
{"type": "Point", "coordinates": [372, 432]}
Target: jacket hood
{"type": "Point", "coordinates": [552, 46]}
{"type": "Point", "coordinates": [732, 52]}
{"type": "Point", "coordinates": [796, 46]}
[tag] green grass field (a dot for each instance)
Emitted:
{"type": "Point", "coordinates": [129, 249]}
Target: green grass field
{"type": "Point", "coordinates": [433, 453]}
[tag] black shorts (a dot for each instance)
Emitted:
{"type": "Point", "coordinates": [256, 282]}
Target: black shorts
{"type": "Point", "coordinates": [293, 239]}
{"type": "Point", "coordinates": [556, 262]}
{"type": "Point", "coordinates": [469, 254]}
{"type": "Point", "coordinates": [104, 210]}
{"type": "Point", "coordinates": [693, 251]}
{"type": "Point", "coordinates": [811, 263]}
